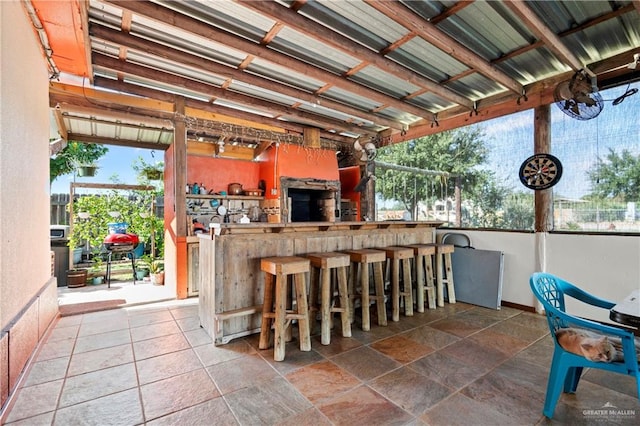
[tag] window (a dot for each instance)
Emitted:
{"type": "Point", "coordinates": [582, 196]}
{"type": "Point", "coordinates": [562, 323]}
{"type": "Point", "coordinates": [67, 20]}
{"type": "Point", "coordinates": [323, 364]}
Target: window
{"type": "Point", "coordinates": [599, 189]}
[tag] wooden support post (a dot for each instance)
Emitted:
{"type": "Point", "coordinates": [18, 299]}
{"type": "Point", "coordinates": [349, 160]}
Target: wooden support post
{"type": "Point", "coordinates": [542, 144]}
{"type": "Point", "coordinates": [311, 137]}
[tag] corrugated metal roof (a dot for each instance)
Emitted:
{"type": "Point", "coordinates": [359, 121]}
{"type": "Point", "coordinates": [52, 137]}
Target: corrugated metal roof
{"type": "Point", "coordinates": [372, 69]}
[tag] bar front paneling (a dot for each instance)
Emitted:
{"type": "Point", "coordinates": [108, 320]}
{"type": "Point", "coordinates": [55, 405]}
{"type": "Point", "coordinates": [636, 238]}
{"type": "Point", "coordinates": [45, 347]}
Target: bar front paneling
{"type": "Point", "coordinates": [231, 290]}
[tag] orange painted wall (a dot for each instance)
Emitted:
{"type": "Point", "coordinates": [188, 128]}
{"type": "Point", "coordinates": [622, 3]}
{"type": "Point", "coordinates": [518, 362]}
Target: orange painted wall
{"type": "Point", "coordinates": [349, 178]}
{"type": "Point", "coordinates": [296, 162]}
{"type": "Point", "coordinates": [218, 173]}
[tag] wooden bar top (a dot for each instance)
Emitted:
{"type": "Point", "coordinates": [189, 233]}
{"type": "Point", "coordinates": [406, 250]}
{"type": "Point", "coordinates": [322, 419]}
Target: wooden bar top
{"type": "Point", "coordinates": [276, 228]}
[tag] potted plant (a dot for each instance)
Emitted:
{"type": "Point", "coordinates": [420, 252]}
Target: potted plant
{"type": "Point", "coordinates": [73, 157]}
{"type": "Point", "coordinates": [148, 171]}
{"type": "Point", "coordinates": [97, 277]}
{"type": "Point", "coordinates": [142, 270]}
{"type": "Point", "coordinates": [87, 170]}
{"type": "Point", "coordinates": [156, 269]}
{"type": "Point", "coordinates": [76, 278]}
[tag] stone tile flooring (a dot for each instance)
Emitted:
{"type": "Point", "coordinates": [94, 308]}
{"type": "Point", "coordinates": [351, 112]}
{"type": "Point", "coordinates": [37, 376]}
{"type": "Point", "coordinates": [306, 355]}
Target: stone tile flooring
{"type": "Point", "coordinates": [458, 365]}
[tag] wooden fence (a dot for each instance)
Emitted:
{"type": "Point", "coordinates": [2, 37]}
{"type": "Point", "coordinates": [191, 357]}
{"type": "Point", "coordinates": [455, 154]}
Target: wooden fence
{"type": "Point", "coordinates": [60, 212]}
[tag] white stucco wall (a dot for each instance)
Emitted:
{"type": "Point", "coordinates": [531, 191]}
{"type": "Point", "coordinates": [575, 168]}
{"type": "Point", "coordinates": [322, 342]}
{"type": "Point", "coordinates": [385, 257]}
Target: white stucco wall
{"type": "Point", "coordinates": [28, 291]}
{"type": "Point", "coordinates": [24, 163]}
{"type": "Point", "coordinates": [607, 266]}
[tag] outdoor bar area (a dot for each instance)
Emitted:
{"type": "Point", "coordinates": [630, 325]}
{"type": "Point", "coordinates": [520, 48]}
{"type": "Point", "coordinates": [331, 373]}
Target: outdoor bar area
{"type": "Point", "coordinates": [364, 218]}
{"type": "Point", "coordinates": [292, 201]}
{"type": "Point", "coordinates": [231, 293]}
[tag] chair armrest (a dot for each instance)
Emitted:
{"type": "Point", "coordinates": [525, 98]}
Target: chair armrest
{"type": "Point", "coordinates": [633, 330]}
{"type": "Point", "coordinates": [585, 297]}
{"type": "Point", "coordinates": [600, 327]}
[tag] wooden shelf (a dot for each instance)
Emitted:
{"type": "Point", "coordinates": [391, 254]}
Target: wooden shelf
{"type": "Point", "coordinates": [223, 197]}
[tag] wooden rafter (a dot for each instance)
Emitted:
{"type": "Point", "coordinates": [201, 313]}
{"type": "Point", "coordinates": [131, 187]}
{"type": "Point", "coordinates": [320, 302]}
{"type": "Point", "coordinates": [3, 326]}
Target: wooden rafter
{"type": "Point", "coordinates": [429, 32]}
{"type": "Point", "coordinates": [540, 43]}
{"type": "Point", "coordinates": [198, 62]}
{"type": "Point", "coordinates": [186, 23]}
{"type": "Point", "coordinates": [220, 113]}
{"type": "Point", "coordinates": [329, 103]}
{"type": "Point", "coordinates": [251, 102]}
{"type": "Point", "coordinates": [325, 35]}
{"type": "Point", "coordinates": [543, 32]}
{"type": "Point", "coordinates": [451, 11]}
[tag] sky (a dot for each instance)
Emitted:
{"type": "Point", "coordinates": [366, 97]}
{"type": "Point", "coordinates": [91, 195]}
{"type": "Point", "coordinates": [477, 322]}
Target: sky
{"type": "Point", "coordinates": [118, 162]}
{"type": "Point", "coordinates": [576, 143]}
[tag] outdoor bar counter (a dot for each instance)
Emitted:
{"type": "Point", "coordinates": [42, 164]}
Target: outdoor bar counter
{"type": "Point", "coordinates": [231, 283]}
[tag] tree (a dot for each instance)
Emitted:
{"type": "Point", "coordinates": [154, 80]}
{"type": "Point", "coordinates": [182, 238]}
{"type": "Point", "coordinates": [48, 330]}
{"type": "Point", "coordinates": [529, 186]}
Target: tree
{"type": "Point", "coordinates": [484, 209]}
{"type": "Point", "coordinates": [457, 152]}
{"type": "Point", "coordinates": [519, 211]}
{"type": "Point", "coordinates": [72, 156]}
{"type": "Point", "coordinates": [617, 177]}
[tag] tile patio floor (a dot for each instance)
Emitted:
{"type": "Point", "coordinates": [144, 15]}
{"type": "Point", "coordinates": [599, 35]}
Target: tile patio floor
{"type": "Point", "coordinates": [121, 293]}
{"type": "Point", "coordinates": [458, 365]}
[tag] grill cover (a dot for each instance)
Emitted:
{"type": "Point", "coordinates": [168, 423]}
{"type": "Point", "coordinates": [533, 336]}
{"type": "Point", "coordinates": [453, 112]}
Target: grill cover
{"type": "Point", "coordinates": [121, 240]}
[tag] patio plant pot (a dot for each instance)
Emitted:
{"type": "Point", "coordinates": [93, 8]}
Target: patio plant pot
{"type": "Point", "coordinates": [85, 171]}
{"type": "Point", "coordinates": [97, 280]}
{"type": "Point", "coordinates": [76, 278]}
{"type": "Point", "coordinates": [141, 273]}
{"type": "Point", "coordinates": [152, 174]}
{"type": "Point", "coordinates": [157, 278]}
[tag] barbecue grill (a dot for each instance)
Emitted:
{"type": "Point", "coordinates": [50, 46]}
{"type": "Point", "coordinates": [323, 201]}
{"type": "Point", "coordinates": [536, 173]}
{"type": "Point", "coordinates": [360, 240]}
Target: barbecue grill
{"type": "Point", "coordinates": [120, 243]}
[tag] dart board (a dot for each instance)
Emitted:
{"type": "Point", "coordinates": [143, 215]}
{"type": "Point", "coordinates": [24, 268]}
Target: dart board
{"type": "Point", "coordinates": [540, 171]}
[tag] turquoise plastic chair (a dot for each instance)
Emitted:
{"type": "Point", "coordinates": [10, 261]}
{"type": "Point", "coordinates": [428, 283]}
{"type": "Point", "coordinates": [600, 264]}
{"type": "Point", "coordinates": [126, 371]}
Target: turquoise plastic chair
{"type": "Point", "coordinates": [567, 367]}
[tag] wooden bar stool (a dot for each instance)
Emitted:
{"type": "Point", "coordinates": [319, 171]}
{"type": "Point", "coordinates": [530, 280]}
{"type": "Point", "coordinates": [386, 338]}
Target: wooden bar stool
{"type": "Point", "coordinates": [444, 273]}
{"type": "Point", "coordinates": [399, 258]}
{"type": "Point", "coordinates": [324, 267]}
{"type": "Point", "coordinates": [361, 260]}
{"type": "Point", "coordinates": [277, 272]}
{"type": "Point", "coordinates": [423, 256]}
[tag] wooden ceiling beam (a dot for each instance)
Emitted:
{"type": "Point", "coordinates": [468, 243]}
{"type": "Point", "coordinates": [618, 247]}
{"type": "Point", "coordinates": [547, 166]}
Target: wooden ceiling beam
{"type": "Point", "coordinates": [69, 101]}
{"type": "Point", "coordinates": [246, 100]}
{"type": "Point", "coordinates": [450, 11]}
{"type": "Point", "coordinates": [62, 128]}
{"type": "Point", "coordinates": [84, 18]}
{"type": "Point", "coordinates": [158, 13]}
{"type": "Point", "coordinates": [327, 36]}
{"type": "Point", "coordinates": [118, 142]}
{"type": "Point", "coordinates": [540, 43]}
{"type": "Point", "coordinates": [433, 35]}
{"type": "Point", "coordinates": [224, 113]}
{"type": "Point", "coordinates": [148, 104]}
{"type": "Point", "coordinates": [543, 32]}
{"type": "Point", "coordinates": [123, 117]}
{"type": "Point", "coordinates": [132, 42]}
{"type": "Point", "coordinates": [539, 93]}
{"type": "Point", "coordinates": [114, 101]}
